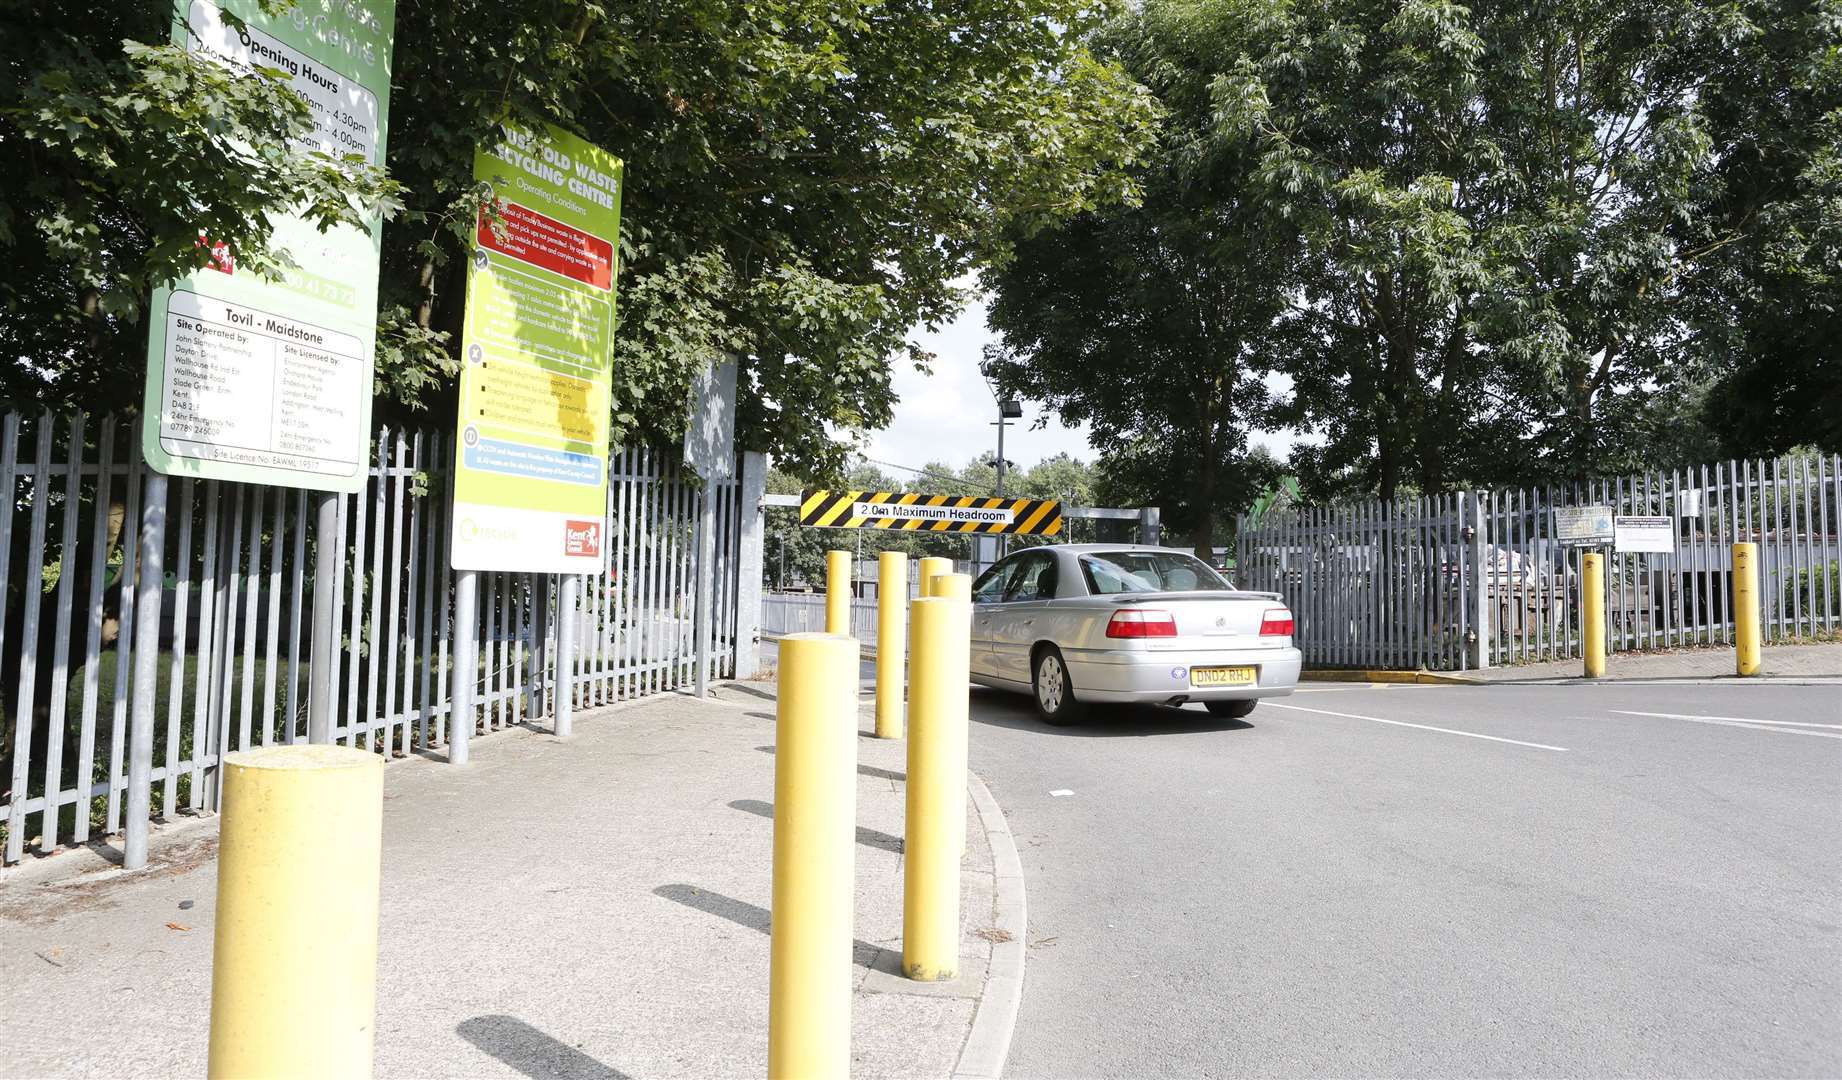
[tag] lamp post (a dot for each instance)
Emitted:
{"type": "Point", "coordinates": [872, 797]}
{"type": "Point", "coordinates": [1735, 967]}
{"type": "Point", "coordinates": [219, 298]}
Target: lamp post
{"type": "Point", "coordinates": [1008, 409]}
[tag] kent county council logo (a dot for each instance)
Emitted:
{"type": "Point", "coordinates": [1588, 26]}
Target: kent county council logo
{"type": "Point", "coordinates": [582, 538]}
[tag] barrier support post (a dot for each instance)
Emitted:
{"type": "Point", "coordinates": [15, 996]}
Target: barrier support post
{"type": "Point", "coordinates": [814, 889]}
{"type": "Point", "coordinates": [838, 592]}
{"type": "Point", "coordinates": [294, 957]}
{"type": "Point", "coordinates": [1746, 628]}
{"type": "Point", "coordinates": [1592, 613]}
{"type": "Point", "coordinates": [937, 705]}
{"type": "Point", "coordinates": [891, 641]}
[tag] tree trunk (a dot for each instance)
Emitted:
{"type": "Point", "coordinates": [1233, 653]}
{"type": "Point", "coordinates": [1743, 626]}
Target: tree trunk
{"type": "Point", "coordinates": [1202, 527]}
{"type": "Point", "coordinates": [1434, 434]}
{"type": "Point", "coordinates": [1202, 507]}
{"type": "Point", "coordinates": [1580, 439]}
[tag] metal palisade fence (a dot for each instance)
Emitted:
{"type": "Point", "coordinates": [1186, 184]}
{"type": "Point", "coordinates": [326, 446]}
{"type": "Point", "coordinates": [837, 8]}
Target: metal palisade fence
{"type": "Point", "coordinates": [236, 616]}
{"type": "Point", "coordinates": [1470, 579]}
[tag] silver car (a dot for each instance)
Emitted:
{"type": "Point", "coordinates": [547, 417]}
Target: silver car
{"type": "Point", "coordinates": [1082, 624]}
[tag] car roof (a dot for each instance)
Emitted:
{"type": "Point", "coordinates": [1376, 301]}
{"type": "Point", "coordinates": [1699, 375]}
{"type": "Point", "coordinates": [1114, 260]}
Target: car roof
{"type": "Point", "coordinates": [1083, 549]}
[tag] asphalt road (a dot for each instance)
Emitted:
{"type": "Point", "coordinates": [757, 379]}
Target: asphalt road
{"type": "Point", "coordinates": [1313, 892]}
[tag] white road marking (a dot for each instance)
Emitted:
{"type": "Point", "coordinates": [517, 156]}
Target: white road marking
{"type": "Point", "coordinates": [1782, 727]}
{"type": "Point", "coordinates": [1735, 719]}
{"type": "Point", "coordinates": [1422, 727]}
{"type": "Point", "coordinates": [1060, 793]}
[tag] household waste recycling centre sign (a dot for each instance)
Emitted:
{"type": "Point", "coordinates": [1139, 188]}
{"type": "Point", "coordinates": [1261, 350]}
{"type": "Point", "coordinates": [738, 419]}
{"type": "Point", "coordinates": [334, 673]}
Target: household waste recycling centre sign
{"type": "Point", "coordinates": [269, 381]}
{"type": "Point", "coordinates": [531, 481]}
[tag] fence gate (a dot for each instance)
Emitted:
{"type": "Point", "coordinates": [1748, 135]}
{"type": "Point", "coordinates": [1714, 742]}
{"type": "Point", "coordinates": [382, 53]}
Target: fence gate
{"type": "Point", "coordinates": [1371, 584]}
{"type": "Point", "coordinates": [236, 616]}
{"type": "Point", "coordinates": [1455, 581]}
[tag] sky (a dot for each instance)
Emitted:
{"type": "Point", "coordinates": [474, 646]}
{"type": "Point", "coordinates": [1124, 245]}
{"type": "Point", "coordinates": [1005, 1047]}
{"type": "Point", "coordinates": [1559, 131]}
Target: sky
{"type": "Point", "coordinates": [947, 415]}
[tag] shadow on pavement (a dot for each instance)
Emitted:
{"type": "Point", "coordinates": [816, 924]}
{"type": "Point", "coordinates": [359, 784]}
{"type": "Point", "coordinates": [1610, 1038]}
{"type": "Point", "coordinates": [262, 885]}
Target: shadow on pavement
{"type": "Point", "coordinates": [743, 913]}
{"type": "Point", "coordinates": [866, 837]}
{"type": "Point", "coordinates": [998, 709]}
{"type": "Point", "coordinates": [866, 770]}
{"type": "Point", "coordinates": [532, 1052]}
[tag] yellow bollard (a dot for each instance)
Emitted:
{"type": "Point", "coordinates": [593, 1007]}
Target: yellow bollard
{"type": "Point", "coordinates": [1746, 629]}
{"type": "Point", "coordinates": [955, 587]}
{"type": "Point", "coordinates": [940, 633]}
{"type": "Point", "coordinates": [838, 592]}
{"type": "Point", "coordinates": [959, 587]}
{"type": "Point", "coordinates": [891, 641]}
{"type": "Point", "coordinates": [932, 567]}
{"type": "Point", "coordinates": [294, 959]}
{"type": "Point", "coordinates": [815, 830]}
{"type": "Point", "coordinates": [1592, 613]}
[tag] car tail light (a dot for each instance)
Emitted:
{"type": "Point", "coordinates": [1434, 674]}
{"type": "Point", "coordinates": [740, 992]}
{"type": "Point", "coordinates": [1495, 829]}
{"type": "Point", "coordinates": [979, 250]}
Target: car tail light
{"type": "Point", "coordinates": [1137, 623]}
{"type": "Point", "coordinates": [1277, 621]}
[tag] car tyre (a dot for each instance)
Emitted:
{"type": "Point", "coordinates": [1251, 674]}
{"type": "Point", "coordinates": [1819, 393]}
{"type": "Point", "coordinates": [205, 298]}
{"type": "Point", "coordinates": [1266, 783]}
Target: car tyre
{"type": "Point", "coordinates": [1051, 689]}
{"type": "Point", "coordinates": [1229, 710]}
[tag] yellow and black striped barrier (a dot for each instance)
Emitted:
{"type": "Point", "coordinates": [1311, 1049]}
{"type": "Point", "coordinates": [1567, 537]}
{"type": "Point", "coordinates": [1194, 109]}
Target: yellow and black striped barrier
{"type": "Point", "coordinates": [915, 512]}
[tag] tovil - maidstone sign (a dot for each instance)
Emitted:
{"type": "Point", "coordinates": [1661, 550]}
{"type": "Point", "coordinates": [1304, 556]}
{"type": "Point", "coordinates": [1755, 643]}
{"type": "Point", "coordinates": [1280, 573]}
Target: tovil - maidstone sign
{"type": "Point", "coordinates": [269, 381]}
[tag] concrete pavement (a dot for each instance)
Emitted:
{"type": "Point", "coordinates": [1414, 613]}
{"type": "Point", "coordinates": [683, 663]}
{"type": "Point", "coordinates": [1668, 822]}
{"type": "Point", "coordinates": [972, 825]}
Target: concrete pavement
{"type": "Point", "coordinates": [594, 908]}
{"type": "Point", "coordinates": [1587, 880]}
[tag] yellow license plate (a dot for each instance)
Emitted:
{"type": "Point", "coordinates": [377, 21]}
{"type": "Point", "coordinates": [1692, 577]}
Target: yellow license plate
{"type": "Point", "coordinates": [1223, 676]}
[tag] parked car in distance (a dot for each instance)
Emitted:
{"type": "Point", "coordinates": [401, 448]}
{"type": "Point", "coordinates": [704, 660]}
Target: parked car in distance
{"type": "Point", "coordinates": [1085, 624]}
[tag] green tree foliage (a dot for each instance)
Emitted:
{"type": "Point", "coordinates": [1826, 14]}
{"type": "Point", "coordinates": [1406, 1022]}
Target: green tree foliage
{"type": "Point", "coordinates": [1508, 242]}
{"type": "Point", "coordinates": [1517, 216]}
{"type": "Point", "coordinates": [118, 151]}
{"type": "Point", "coordinates": [805, 181]}
{"type": "Point", "coordinates": [1149, 322]}
{"type": "Point", "coordinates": [1765, 305]}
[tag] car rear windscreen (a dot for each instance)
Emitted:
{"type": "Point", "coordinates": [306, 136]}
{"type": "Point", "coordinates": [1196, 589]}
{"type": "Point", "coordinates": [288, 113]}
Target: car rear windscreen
{"type": "Point", "coordinates": [1109, 572]}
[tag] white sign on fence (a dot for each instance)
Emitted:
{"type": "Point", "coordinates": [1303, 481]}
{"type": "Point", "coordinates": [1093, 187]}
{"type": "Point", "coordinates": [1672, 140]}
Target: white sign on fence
{"type": "Point", "coordinates": [1644, 534]}
{"type": "Point", "coordinates": [710, 441]}
{"type": "Point", "coordinates": [1583, 524]}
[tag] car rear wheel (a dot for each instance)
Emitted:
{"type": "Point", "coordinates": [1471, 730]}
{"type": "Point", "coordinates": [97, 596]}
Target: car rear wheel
{"type": "Point", "coordinates": [1229, 710]}
{"type": "Point", "coordinates": [1054, 694]}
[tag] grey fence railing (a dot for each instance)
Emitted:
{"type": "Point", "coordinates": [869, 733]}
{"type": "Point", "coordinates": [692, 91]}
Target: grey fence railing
{"type": "Point", "coordinates": [236, 614]}
{"type": "Point", "coordinates": [801, 613]}
{"type": "Point", "coordinates": [1445, 583]}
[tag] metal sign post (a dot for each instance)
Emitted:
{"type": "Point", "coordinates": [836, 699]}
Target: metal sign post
{"type": "Point", "coordinates": [460, 694]}
{"type": "Point", "coordinates": [322, 680]}
{"type": "Point", "coordinates": [709, 447]}
{"type": "Point", "coordinates": [706, 573]}
{"type": "Point", "coordinates": [149, 583]}
{"type": "Point", "coordinates": [563, 709]}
